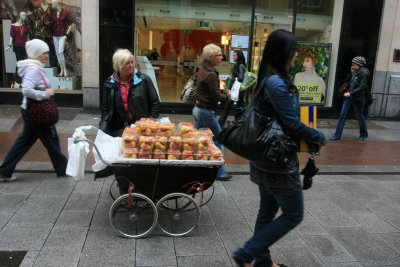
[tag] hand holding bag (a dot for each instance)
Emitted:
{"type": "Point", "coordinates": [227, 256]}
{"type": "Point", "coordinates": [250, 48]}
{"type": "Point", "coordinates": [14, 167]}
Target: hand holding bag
{"type": "Point", "coordinates": [259, 138]}
{"type": "Point", "coordinates": [41, 113]}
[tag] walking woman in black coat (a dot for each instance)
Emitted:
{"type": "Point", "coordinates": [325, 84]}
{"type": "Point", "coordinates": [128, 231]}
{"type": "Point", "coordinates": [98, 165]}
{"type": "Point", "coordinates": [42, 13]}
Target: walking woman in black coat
{"type": "Point", "coordinates": [237, 71]}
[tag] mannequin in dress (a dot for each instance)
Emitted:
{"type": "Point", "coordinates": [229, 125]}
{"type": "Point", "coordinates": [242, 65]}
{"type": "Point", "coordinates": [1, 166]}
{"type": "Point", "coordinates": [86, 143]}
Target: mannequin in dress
{"type": "Point", "coordinates": [61, 27]}
{"type": "Point", "coordinates": [18, 37]}
{"type": "Point", "coordinates": [42, 28]}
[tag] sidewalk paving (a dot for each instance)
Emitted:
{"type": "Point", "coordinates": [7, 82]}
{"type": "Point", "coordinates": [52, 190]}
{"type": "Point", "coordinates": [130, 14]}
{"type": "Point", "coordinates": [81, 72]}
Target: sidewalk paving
{"type": "Point", "coordinates": [352, 213]}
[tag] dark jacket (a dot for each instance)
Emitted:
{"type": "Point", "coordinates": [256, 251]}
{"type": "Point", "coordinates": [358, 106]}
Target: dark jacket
{"type": "Point", "coordinates": [360, 90]}
{"type": "Point", "coordinates": [238, 72]}
{"type": "Point", "coordinates": [286, 99]}
{"type": "Point", "coordinates": [143, 102]}
{"type": "Point", "coordinates": [207, 88]}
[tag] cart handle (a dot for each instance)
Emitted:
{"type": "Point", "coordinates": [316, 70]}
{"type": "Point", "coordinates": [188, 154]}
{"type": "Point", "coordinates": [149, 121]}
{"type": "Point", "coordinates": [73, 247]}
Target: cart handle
{"type": "Point", "coordinates": [95, 147]}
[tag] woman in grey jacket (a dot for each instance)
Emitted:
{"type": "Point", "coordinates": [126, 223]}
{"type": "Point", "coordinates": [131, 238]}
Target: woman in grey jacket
{"type": "Point", "coordinates": [34, 86]}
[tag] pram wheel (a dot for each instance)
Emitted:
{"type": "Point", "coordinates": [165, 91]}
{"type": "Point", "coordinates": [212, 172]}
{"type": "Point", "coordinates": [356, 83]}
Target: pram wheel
{"type": "Point", "coordinates": [135, 218]}
{"type": "Point", "coordinates": [179, 214]}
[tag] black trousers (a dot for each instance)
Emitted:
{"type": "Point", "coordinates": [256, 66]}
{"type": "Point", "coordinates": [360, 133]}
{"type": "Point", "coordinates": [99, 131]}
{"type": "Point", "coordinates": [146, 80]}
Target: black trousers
{"type": "Point", "coordinates": [48, 136]}
{"type": "Point", "coordinates": [20, 54]}
{"type": "Point", "coordinates": [228, 106]}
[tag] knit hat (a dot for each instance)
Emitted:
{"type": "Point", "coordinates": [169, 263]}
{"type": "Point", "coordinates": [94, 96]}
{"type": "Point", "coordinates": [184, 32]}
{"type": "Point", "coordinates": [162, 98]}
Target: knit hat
{"type": "Point", "coordinates": [360, 61]}
{"type": "Point", "coordinates": [36, 48]}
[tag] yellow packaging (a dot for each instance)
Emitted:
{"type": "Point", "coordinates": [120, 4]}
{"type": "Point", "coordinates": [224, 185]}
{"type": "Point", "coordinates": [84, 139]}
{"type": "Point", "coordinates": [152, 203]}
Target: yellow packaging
{"type": "Point", "coordinates": [308, 116]}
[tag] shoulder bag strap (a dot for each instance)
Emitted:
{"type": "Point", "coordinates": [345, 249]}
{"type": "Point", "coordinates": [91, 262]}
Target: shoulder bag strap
{"type": "Point", "coordinates": [45, 83]}
{"type": "Point", "coordinates": [275, 107]}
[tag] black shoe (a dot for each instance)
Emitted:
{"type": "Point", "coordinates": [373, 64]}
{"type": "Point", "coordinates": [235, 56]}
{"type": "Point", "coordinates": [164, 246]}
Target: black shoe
{"type": "Point", "coordinates": [238, 261]}
{"type": "Point", "coordinates": [282, 265]}
{"type": "Point", "coordinates": [224, 178]}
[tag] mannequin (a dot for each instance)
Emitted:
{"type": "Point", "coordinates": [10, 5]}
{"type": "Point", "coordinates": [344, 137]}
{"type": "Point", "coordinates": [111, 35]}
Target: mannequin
{"type": "Point", "coordinates": [18, 37]}
{"type": "Point", "coordinates": [61, 27]}
{"type": "Point", "coordinates": [42, 28]}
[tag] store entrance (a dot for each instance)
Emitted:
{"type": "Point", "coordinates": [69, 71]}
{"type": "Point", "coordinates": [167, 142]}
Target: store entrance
{"type": "Point", "coordinates": [169, 49]}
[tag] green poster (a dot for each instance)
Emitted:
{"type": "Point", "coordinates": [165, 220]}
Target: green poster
{"type": "Point", "coordinates": [311, 71]}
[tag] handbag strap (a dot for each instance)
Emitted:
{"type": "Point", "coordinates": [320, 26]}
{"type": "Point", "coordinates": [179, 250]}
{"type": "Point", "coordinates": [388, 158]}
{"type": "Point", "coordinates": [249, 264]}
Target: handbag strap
{"type": "Point", "coordinates": [273, 104]}
{"type": "Point", "coordinates": [45, 83]}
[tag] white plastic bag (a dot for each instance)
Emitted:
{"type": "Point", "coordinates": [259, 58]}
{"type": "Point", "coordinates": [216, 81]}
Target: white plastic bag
{"type": "Point", "coordinates": [109, 148]}
{"type": "Point", "coordinates": [235, 90]}
{"type": "Point", "coordinates": [77, 153]}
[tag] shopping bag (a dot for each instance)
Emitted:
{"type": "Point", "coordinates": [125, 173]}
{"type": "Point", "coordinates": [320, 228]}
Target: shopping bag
{"type": "Point", "coordinates": [188, 95]}
{"type": "Point", "coordinates": [235, 90]}
{"type": "Point", "coordinates": [77, 153]}
{"type": "Point", "coordinates": [109, 148]}
{"type": "Point", "coordinates": [249, 80]}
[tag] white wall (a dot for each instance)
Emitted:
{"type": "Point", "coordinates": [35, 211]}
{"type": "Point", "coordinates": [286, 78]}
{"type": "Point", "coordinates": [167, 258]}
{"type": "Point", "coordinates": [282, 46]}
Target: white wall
{"type": "Point", "coordinates": [389, 37]}
{"type": "Point", "coordinates": [90, 43]}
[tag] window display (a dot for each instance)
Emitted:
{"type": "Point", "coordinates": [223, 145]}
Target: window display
{"type": "Point", "coordinates": [56, 23]}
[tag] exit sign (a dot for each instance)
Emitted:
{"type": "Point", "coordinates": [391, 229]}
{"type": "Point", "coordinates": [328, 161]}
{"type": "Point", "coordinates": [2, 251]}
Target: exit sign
{"type": "Point", "coordinates": [203, 24]}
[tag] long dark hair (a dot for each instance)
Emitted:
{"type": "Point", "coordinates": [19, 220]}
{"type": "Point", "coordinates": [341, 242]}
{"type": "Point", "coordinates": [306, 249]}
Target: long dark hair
{"type": "Point", "coordinates": [240, 60]}
{"type": "Point", "coordinates": [280, 47]}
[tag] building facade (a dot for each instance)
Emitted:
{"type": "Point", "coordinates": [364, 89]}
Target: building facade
{"type": "Point", "coordinates": [167, 39]}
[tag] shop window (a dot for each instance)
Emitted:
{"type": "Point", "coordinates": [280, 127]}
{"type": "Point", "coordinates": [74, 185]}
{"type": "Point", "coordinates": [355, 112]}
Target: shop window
{"type": "Point", "coordinates": [58, 24]}
{"type": "Point", "coordinates": [170, 37]}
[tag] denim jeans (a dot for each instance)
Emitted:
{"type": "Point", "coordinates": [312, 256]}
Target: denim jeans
{"type": "Point", "coordinates": [358, 109]}
{"type": "Point", "coordinates": [269, 230]}
{"type": "Point", "coordinates": [48, 136]}
{"type": "Point", "coordinates": [206, 119]}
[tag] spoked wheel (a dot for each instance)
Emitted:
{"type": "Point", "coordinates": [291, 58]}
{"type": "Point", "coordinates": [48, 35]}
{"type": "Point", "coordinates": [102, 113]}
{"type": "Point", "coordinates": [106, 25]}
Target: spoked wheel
{"type": "Point", "coordinates": [178, 213]}
{"type": "Point", "coordinates": [135, 218]}
{"type": "Point", "coordinates": [201, 197]}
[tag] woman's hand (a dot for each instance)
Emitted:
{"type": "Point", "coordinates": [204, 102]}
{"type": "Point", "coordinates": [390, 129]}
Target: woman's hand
{"type": "Point", "coordinates": [51, 91]}
{"type": "Point", "coordinates": [228, 92]}
{"type": "Point", "coordinates": [346, 95]}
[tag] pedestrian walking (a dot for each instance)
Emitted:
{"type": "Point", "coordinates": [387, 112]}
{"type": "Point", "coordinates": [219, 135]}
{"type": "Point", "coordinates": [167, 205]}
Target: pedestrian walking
{"type": "Point", "coordinates": [355, 94]}
{"type": "Point", "coordinates": [237, 72]}
{"type": "Point", "coordinates": [36, 86]}
{"type": "Point", "coordinates": [277, 189]}
{"type": "Point", "coordinates": [208, 95]}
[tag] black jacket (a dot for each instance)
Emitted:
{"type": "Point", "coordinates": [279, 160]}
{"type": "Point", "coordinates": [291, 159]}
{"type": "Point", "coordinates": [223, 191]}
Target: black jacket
{"type": "Point", "coordinates": [238, 72]}
{"type": "Point", "coordinates": [143, 102]}
{"type": "Point", "coordinates": [361, 89]}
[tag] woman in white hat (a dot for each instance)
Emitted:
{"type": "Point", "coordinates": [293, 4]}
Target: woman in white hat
{"type": "Point", "coordinates": [36, 86]}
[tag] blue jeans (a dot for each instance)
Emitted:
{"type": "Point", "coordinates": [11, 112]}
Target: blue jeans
{"type": "Point", "coordinates": [206, 119]}
{"type": "Point", "coordinates": [358, 109]}
{"type": "Point", "coordinates": [269, 230]}
{"type": "Point", "coordinates": [48, 136]}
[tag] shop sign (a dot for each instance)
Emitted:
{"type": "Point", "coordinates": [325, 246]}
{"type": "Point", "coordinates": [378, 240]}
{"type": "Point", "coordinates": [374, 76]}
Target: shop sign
{"type": "Point", "coordinates": [203, 24]}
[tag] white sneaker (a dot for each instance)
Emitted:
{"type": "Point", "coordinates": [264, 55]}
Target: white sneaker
{"type": "Point", "coordinates": [8, 179]}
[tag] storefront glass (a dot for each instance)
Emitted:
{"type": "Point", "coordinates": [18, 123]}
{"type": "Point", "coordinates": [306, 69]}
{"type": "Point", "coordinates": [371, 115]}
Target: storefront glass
{"type": "Point", "coordinates": [170, 36]}
{"type": "Point", "coordinates": [58, 23]}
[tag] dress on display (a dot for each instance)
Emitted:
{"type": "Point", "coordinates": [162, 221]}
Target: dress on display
{"type": "Point", "coordinates": [20, 36]}
{"type": "Point", "coordinates": [61, 23]}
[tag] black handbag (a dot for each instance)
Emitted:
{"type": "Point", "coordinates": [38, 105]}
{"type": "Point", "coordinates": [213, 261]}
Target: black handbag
{"type": "Point", "coordinates": [260, 138]}
{"type": "Point", "coordinates": [41, 113]}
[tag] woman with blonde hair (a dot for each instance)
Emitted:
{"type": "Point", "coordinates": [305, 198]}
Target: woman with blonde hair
{"type": "Point", "coordinates": [127, 96]}
{"type": "Point", "coordinates": [208, 96]}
